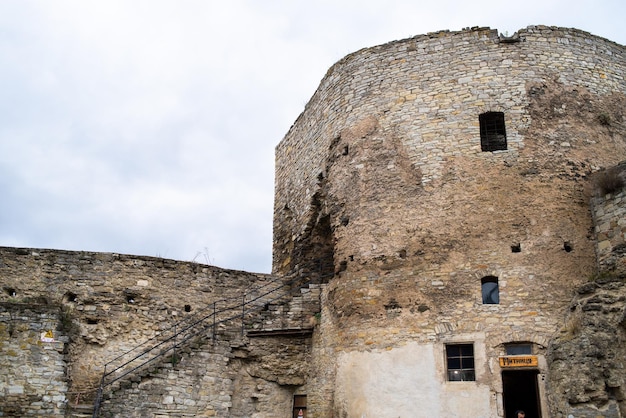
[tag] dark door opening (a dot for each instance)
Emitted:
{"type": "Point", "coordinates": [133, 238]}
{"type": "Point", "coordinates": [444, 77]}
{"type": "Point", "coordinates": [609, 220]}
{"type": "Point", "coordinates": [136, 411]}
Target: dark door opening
{"type": "Point", "coordinates": [520, 391]}
{"type": "Point", "coordinates": [299, 406]}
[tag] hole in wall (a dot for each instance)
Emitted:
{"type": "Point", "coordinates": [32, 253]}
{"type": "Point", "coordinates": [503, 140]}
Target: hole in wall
{"type": "Point", "coordinates": [10, 291]}
{"type": "Point", "coordinates": [70, 297]}
{"type": "Point", "coordinates": [131, 298]}
{"type": "Point", "coordinates": [567, 246]}
{"type": "Point", "coordinates": [345, 150]}
{"type": "Point", "coordinates": [402, 253]}
{"type": "Point", "coordinates": [345, 221]}
{"type": "Point", "coordinates": [187, 308]}
{"type": "Point", "coordinates": [91, 321]}
{"type": "Point", "coordinates": [516, 248]}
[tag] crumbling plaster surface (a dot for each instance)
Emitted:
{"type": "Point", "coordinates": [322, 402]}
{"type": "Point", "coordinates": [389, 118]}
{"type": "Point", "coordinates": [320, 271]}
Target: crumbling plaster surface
{"type": "Point", "coordinates": [404, 381]}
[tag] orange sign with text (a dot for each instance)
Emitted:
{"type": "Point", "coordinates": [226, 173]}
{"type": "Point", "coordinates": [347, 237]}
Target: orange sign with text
{"type": "Point", "coordinates": [519, 361]}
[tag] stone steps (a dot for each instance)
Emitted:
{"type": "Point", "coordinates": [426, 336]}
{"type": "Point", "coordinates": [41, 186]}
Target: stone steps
{"type": "Point", "coordinates": [285, 312]}
{"type": "Point", "coordinates": [79, 411]}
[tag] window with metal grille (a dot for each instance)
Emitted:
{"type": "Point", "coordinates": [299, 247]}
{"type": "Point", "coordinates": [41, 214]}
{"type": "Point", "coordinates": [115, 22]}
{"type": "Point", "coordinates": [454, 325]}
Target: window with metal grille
{"type": "Point", "coordinates": [460, 362]}
{"type": "Point", "coordinates": [490, 290]}
{"type": "Point", "coordinates": [492, 131]}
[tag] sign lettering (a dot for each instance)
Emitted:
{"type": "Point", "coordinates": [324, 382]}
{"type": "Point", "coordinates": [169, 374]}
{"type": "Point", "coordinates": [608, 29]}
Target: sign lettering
{"type": "Point", "coordinates": [519, 361]}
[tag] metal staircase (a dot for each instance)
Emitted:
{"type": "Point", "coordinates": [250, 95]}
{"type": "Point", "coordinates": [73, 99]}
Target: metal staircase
{"type": "Point", "coordinates": [231, 315]}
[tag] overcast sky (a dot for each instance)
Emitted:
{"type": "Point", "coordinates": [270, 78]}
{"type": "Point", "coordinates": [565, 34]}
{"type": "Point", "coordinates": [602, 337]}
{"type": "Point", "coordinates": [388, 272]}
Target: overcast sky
{"type": "Point", "coordinates": [149, 127]}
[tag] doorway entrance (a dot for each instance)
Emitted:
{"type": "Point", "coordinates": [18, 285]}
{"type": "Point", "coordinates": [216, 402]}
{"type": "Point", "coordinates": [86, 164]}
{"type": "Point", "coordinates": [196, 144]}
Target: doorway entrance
{"type": "Point", "coordinates": [520, 391]}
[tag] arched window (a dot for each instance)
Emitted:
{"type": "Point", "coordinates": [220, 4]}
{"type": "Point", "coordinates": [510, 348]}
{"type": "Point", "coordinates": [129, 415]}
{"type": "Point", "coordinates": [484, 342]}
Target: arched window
{"type": "Point", "coordinates": [492, 131]}
{"type": "Point", "coordinates": [490, 290]}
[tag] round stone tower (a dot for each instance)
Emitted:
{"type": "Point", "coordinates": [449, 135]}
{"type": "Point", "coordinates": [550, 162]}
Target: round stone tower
{"type": "Point", "coordinates": [437, 187]}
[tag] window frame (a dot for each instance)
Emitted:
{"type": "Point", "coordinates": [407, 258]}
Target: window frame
{"type": "Point", "coordinates": [492, 132]}
{"type": "Point", "coordinates": [489, 298]}
{"type": "Point", "coordinates": [299, 404]}
{"type": "Point", "coordinates": [509, 349]}
{"type": "Point", "coordinates": [460, 362]}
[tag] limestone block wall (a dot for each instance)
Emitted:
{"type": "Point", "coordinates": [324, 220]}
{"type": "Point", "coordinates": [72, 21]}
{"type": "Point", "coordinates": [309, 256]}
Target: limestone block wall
{"type": "Point", "coordinates": [423, 95]}
{"type": "Point", "coordinates": [33, 379]}
{"type": "Point", "coordinates": [609, 211]}
{"type": "Point", "coordinates": [106, 304]}
{"type": "Point", "coordinates": [226, 378]}
{"type": "Point", "coordinates": [588, 356]}
{"type": "Point", "coordinates": [384, 171]}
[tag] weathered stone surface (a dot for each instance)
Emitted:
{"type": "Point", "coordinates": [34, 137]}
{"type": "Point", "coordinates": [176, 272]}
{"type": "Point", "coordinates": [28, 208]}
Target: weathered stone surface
{"type": "Point", "coordinates": [387, 205]}
{"type": "Point", "coordinates": [33, 369]}
{"type": "Point", "coordinates": [383, 176]}
{"type": "Point", "coordinates": [588, 359]}
{"type": "Point", "coordinates": [101, 305]}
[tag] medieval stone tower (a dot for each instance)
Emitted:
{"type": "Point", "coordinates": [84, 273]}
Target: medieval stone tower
{"type": "Point", "coordinates": [442, 181]}
{"type": "Point", "coordinates": [449, 241]}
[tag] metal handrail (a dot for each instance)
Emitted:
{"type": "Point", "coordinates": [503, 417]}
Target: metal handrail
{"type": "Point", "coordinates": [190, 327]}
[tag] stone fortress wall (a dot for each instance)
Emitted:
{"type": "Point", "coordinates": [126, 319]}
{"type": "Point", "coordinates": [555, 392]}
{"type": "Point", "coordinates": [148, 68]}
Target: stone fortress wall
{"type": "Point", "coordinates": [96, 306]}
{"type": "Point", "coordinates": [428, 91]}
{"type": "Point", "coordinates": [383, 176]}
{"type": "Point", "coordinates": [609, 213]}
{"type": "Point", "coordinates": [386, 202]}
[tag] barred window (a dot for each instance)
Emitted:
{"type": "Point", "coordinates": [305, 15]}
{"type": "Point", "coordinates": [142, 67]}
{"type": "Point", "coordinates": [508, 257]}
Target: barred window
{"type": "Point", "coordinates": [492, 131]}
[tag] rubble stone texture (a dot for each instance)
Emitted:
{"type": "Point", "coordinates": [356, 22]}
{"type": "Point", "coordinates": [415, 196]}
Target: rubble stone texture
{"type": "Point", "coordinates": [383, 177]}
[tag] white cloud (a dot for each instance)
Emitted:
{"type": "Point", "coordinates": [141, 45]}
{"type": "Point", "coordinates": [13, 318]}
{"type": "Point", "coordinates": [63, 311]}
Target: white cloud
{"type": "Point", "coordinates": [148, 127]}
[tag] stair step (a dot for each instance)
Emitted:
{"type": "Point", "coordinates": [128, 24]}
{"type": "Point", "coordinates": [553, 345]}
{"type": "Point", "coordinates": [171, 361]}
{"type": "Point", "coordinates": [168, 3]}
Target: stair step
{"type": "Point", "coordinates": [80, 410]}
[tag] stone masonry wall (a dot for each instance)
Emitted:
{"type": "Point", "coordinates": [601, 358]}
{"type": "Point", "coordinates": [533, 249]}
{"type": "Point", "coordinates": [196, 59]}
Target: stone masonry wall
{"type": "Point", "coordinates": [387, 158]}
{"type": "Point", "coordinates": [609, 210]}
{"type": "Point", "coordinates": [587, 357]}
{"type": "Point", "coordinates": [33, 367]}
{"type": "Point", "coordinates": [227, 378]}
{"type": "Point", "coordinates": [100, 305]}
{"type": "Point", "coordinates": [428, 91]}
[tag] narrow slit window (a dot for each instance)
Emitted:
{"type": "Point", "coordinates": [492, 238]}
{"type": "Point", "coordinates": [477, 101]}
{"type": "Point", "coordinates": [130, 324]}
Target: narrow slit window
{"type": "Point", "coordinates": [460, 362]}
{"type": "Point", "coordinates": [490, 290]}
{"type": "Point", "coordinates": [299, 406]}
{"type": "Point", "coordinates": [492, 131]}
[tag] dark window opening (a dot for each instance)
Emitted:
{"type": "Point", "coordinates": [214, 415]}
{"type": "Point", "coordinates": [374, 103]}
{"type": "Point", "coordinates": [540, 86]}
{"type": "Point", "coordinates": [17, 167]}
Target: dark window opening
{"type": "Point", "coordinates": [345, 150]}
{"type": "Point", "coordinates": [516, 248]}
{"type": "Point", "coordinates": [518, 349]}
{"type": "Point", "coordinates": [187, 308]}
{"type": "Point", "coordinates": [10, 291]}
{"type": "Point", "coordinates": [460, 362]}
{"type": "Point", "coordinates": [299, 406]}
{"type": "Point", "coordinates": [492, 131]}
{"type": "Point", "coordinates": [490, 290]}
{"type": "Point", "coordinates": [130, 298]}
{"type": "Point", "coordinates": [92, 321]}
